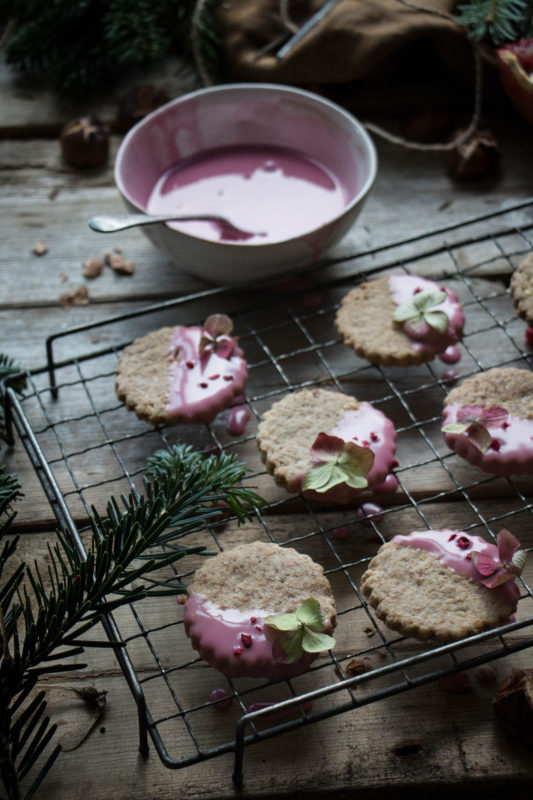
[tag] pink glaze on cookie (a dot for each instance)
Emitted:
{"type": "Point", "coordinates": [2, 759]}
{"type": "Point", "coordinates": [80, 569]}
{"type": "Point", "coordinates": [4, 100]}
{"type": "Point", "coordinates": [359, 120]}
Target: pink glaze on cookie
{"type": "Point", "coordinates": [453, 549]}
{"type": "Point", "coordinates": [510, 451]}
{"type": "Point", "coordinates": [367, 427]}
{"type": "Point", "coordinates": [404, 287]}
{"type": "Point", "coordinates": [202, 383]}
{"type": "Point", "coordinates": [238, 643]}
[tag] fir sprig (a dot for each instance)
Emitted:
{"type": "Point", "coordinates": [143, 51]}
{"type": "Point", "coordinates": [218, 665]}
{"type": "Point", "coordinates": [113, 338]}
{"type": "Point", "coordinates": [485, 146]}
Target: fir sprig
{"type": "Point", "coordinates": [83, 46]}
{"type": "Point", "coordinates": [496, 21]}
{"type": "Point", "coordinates": [9, 369]}
{"type": "Point", "coordinates": [46, 615]}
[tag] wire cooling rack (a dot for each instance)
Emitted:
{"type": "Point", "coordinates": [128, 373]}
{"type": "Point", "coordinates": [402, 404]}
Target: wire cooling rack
{"type": "Point", "coordinates": [86, 447]}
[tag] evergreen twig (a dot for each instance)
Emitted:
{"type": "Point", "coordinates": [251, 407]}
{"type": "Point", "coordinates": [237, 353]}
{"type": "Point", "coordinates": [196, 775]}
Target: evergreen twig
{"type": "Point", "coordinates": [496, 21]}
{"type": "Point", "coordinates": [44, 618]}
{"type": "Point", "coordinates": [83, 45]}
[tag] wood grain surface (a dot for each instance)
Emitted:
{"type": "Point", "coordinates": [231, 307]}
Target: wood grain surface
{"type": "Point", "coordinates": [405, 746]}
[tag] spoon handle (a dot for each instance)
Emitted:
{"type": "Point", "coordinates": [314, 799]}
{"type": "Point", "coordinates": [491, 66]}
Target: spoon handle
{"type": "Point", "coordinates": [109, 223]}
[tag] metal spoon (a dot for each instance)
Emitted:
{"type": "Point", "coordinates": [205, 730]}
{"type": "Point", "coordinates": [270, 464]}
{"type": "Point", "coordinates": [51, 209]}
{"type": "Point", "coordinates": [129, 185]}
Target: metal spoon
{"type": "Point", "coordinates": [109, 223]}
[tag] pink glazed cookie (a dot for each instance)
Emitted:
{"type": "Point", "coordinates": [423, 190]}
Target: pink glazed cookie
{"type": "Point", "coordinates": [182, 374]}
{"type": "Point", "coordinates": [488, 421]}
{"type": "Point", "coordinates": [234, 595]}
{"type": "Point", "coordinates": [314, 432]}
{"type": "Point", "coordinates": [400, 320]}
{"type": "Point", "coordinates": [444, 584]}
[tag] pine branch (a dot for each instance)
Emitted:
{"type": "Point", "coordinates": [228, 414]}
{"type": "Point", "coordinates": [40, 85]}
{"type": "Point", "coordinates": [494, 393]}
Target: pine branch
{"type": "Point", "coordinates": [8, 369]}
{"type": "Point", "coordinates": [497, 21]}
{"type": "Point", "coordinates": [138, 536]}
{"type": "Point", "coordinates": [82, 46]}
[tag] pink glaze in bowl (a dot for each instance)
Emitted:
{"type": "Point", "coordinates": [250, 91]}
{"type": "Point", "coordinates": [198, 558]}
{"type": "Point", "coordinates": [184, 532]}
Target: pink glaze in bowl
{"type": "Point", "coordinates": [247, 115]}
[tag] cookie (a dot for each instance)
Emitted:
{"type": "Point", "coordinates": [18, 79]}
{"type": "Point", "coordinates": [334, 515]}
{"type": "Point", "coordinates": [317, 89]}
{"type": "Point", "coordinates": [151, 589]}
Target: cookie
{"type": "Point", "coordinates": [433, 584]}
{"type": "Point", "coordinates": [314, 432]}
{"type": "Point", "coordinates": [522, 289]}
{"type": "Point", "coordinates": [400, 320]}
{"type": "Point", "coordinates": [488, 421]}
{"type": "Point", "coordinates": [182, 374]}
{"type": "Point", "coordinates": [233, 603]}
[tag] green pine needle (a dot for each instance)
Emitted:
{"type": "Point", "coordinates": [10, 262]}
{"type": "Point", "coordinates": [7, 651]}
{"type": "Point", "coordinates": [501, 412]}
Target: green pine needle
{"type": "Point", "coordinates": [496, 21]}
{"type": "Point", "coordinates": [45, 614]}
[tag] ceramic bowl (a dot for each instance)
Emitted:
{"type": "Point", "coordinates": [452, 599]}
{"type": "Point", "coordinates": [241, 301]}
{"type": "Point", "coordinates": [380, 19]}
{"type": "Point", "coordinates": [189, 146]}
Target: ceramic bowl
{"type": "Point", "coordinates": [244, 116]}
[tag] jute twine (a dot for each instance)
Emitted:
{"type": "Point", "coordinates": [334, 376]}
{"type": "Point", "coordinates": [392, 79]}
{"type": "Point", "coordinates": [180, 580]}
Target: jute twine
{"type": "Point", "coordinates": [401, 141]}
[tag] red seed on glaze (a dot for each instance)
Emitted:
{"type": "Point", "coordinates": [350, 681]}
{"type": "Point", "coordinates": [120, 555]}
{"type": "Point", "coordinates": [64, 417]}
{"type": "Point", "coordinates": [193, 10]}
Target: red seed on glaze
{"type": "Point", "coordinates": [259, 628]}
{"type": "Point", "coordinates": [253, 620]}
{"type": "Point", "coordinates": [452, 537]}
{"type": "Point", "coordinates": [213, 377]}
{"type": "Point", "coordinates": [189, 364]}
{"type": "Point", "coordinates": [495, 445]}
{"type": "Point", "coordinates": [203, 385]}
{"type": "Point", "coordinates": [374, 437]}
{"type": "Point", "coordinates": [394, 463]}
{"type": "Point", "coordinates": [463, 543]}
{"type": "Point", "coordinates": [246, 639]}
{"type": "Point", "coordinates": [365, 443]}
{"type": "Point", "coordinates": [238, 651]}
{"type": "Point", "coordinates": [228, 377]}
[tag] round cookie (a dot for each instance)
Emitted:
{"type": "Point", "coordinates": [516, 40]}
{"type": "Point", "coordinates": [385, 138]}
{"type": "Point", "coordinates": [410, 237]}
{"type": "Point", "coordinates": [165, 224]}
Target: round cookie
{"type": "Point", "coordinates": [522, 289]}
{"type": "Point", "coordinates": [289, 432]}
{"type": "Point", "coordinates": [427, 585]}
{"type": "Point", "coordinates": [234, 596]}
{"type": "Point", "coordinates": [488, 421]}
{"type": "Point", "coordinates": [182, 374]}
{"type": "Point", "coordinates": [430, 320]}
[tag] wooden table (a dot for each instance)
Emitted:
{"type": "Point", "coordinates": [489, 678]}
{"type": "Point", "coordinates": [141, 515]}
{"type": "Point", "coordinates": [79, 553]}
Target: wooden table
{"type": "Point", "coordinates": [404, 746]}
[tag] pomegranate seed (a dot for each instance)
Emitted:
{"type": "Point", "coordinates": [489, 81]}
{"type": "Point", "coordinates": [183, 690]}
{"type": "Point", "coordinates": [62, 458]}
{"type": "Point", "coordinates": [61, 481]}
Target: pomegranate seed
{"type": "Point", "coordinates": [228, 377]}
{"type": "Point", "coordinates": [365, 442]}
{"type": "Point", "coordinates": [253, 620]}
{"type": "Point", "coordinates": [374, 437]}
{"type": "Point", "coordinates": [463, 543]}
{"type": "Point", "coordinates": [259, 628]}
{"type": "Point", "coordinates": [452, 537]}
{"type": "Point", "coordinates": [394, 463]}
{"type": "Point", "coordinates": [417, 290]}
{"type": "Point", "coordinates": [495, 445]}
{"type": "Point", "coordinates": [529, 336]}
{"type": "Point", "coordinates": [505, 425]}
{"type": "Point", "coordinates": [238, 651]}
{"type": "Point", "coordinates": [213, 377]}
{"type": "Point", "coordinates": [189, 364]}
{"type": "Point", "coordinates": [203, 385]}
{"type": "Point", "coordinates": [246, 639]}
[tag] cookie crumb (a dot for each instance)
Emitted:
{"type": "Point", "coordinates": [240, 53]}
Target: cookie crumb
{"type": "Point", "coordinates": [92, 267]}
{"type": "Point", "coordinates": [40, 248]}
{"type": "Point", "coordinates": [75, 297]}
{"type": "Point", "coordinates": [357, 666]}
{"type": "Point", "coordinates": [370, 631]}
{"type": "Point", "coordinates": [120, 264]}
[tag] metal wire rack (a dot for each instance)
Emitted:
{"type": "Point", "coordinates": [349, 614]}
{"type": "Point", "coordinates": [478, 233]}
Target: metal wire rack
{"type": "Point", "coordinates": [85, 446]}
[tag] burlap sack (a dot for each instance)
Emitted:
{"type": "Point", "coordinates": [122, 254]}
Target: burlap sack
{"type": "Point", "coordinates": [354, 40]}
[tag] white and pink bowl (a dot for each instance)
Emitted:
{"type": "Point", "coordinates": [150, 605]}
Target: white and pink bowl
{"type": "Point", "coordinates": [249, 116]}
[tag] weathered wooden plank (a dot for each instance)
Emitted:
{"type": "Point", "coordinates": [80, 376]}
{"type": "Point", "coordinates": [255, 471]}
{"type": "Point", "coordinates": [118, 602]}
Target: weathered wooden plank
{"type": "Point", "coordinates": [33, 172]}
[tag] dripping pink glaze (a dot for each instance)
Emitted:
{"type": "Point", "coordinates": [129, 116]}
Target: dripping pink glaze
{"type": "Point", "coordinates": [451, 355]}
{"type": "Point", "coordinates": [443, 544]}
{"type": "Point", "coordinates": [368, 427]}
{"type": "Point", "coordinates": [201, 385]}
{"type": "Point", "coordinates": [217, 633]}
{"type": "Point", "coordinates": [511, 452]}
{"type": "Point", "coordinates": [237, 420]}
{"type": "Point", "coordinates": [404, 288]}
